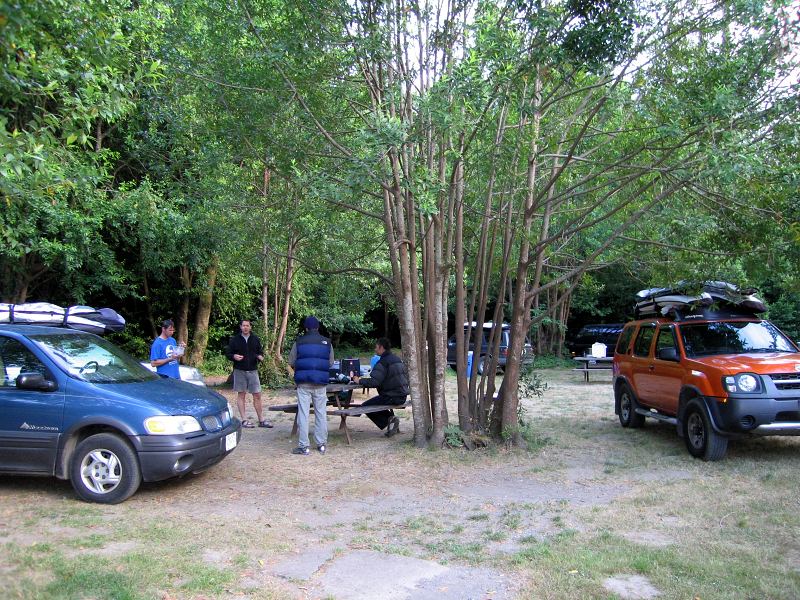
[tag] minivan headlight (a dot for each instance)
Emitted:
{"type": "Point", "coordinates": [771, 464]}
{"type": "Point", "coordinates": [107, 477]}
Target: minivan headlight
{"type": "Point", "coordinates": [743, 382]}
{"type": "Point", "coordinates": [171, 425]}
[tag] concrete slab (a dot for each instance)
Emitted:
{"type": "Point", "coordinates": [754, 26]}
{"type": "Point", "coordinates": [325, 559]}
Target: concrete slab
{"type": "Point", "coordinates": [631, 587]}
{"type": "Point", "coordinates": [365, 575]}
{"type": "Point", "coordinates": [303, 565]}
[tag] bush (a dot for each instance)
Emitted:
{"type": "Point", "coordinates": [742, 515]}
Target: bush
{"type": "Point", "coordinates": [550, 361]}
{"type": "Point", "coordinates": [215, 363]}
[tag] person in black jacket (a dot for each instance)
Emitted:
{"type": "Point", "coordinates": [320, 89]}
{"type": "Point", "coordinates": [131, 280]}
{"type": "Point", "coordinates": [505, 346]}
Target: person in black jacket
{"type": "Point", "coordinates": [245, 350]}
{"type": "Point", "coordinates": [391, 379]}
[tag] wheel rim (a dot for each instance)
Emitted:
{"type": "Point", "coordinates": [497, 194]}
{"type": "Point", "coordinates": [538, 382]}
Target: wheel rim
{"type": "Point", "coordinates": [625, 406]}
{"type": "Point", "coordinates": [101, 471]}
{"type": "Point", "coordinates": [696, 431]}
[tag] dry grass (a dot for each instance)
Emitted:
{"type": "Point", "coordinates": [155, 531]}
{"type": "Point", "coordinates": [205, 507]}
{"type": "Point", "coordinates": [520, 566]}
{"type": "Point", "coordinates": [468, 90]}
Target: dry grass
{"type": "Point", "coordinates": [593, 502]}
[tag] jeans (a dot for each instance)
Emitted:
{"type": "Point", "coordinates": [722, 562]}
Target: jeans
{"type": "Point", "coordinates": [306, 393]}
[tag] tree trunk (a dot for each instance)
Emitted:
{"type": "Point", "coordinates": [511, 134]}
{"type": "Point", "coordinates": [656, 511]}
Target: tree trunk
{"type": "Point", "coordinates": [203, 315]}
{"type": "Point", "coordinates": [182, 319]}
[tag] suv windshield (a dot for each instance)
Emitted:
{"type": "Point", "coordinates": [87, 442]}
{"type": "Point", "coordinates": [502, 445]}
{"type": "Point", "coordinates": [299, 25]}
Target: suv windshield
{"type": "Point", "coordinates": [731, 337]}
{"type": "Point", "coordinates": [92, 358]}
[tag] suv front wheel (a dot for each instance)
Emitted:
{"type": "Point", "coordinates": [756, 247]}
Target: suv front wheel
{"type": "Point", "coordinates": [701, 439]}
{"type": "Point", "coordinates": [105, 469]}
{"type": "Point", "coordinates": [628, 417]}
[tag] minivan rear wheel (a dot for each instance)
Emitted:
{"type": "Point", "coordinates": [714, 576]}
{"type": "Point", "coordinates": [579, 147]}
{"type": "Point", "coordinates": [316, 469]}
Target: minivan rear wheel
{"type": "Point", "coordinates": [105, 469]}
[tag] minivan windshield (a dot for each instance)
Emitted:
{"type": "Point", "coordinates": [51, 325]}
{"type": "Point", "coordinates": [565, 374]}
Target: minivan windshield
{"type": "Point", "coordinates": [732, 337]}
{"type": "Point", "coordinates": [93, 359]}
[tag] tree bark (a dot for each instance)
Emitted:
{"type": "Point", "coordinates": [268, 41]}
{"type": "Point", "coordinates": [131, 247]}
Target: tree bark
{"type": "Point", "coordinates": [203, 315]}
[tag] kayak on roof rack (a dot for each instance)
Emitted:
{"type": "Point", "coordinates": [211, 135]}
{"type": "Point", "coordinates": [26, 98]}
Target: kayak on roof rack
{"type": "Point", "coordinates": [686, 297]}
{"type": "Point", "coordinates": [83, 318]}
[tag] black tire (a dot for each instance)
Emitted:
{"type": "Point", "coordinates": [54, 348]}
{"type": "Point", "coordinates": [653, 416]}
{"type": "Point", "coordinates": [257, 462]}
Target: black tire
{"type": "Point", "coordinates": [628, 417]}
{"type": "Point", "coordinates": [701, 439]}
{"type": "Point", "coordinates": [105, 469]}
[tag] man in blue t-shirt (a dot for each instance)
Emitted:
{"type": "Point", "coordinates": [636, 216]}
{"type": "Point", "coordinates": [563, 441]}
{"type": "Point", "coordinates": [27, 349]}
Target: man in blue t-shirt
{"type": "Point", "coordinates": [165, 353]}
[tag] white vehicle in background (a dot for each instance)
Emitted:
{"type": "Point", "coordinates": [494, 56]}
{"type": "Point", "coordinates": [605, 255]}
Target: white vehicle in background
{"type": "Point", "coordinates": [188, 374]}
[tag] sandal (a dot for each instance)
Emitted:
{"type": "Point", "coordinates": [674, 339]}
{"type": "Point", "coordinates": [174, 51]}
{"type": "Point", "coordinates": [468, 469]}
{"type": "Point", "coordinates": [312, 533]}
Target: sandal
{"type": "Point", "coordinates": [247, 424]}
{"type": "Point", "coordinates": [265, 423]}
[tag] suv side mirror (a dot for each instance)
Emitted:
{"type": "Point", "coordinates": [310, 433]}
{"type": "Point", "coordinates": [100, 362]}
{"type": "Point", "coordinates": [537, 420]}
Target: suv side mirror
{"type": "Point", "coordinates": [36, 382]}
{"type": "Point", "coordinates": [668, 354]}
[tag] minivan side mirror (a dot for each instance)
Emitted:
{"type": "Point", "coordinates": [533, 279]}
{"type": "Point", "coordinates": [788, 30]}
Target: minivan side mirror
{"type": "Point", "coordinates": [36, 382]}
{"type": "Point", "coordinates": [668, 354]}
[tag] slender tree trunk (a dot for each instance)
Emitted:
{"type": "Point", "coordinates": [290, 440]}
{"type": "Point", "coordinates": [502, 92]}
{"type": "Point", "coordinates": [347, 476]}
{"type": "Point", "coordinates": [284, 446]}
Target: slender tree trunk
{"type": "Point", "coordinates": [182, 318]}
{"type": "Point", "coordinates": [203, 315]}
{"type": "Point", "coordinates": [287, 295]}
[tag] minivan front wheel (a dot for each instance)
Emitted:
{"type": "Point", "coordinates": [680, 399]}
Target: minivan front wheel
{"type": "Point", "coordinates": [701, 439]}
{"type": "Point", "coordinates": [105, 469]}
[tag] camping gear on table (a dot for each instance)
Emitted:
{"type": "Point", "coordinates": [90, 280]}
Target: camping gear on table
{"type": "Point", "coordinates": [688, 297]}
{"type": "Point", "coordinates": [84, 318]}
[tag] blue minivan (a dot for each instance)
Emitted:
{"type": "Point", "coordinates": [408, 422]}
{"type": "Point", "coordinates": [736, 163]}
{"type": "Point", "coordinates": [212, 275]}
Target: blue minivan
{"type": "Point", "coordinates": [74, 406]}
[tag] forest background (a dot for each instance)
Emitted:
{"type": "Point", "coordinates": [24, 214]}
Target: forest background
{"type": "Point", "coordinates": [397, 167]}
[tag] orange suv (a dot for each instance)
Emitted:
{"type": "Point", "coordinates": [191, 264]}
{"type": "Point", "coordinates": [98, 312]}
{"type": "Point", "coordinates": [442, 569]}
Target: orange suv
{"type": "Point", "coordinates": [714, 375]}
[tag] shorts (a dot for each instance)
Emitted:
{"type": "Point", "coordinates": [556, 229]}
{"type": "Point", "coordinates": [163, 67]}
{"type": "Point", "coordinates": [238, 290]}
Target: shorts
{"type": "Point", "coordinates": [246, 381]}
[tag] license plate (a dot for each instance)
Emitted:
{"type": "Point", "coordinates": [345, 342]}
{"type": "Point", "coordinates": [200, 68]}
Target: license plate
{"type": "Point", "coordinates": [230, 441]}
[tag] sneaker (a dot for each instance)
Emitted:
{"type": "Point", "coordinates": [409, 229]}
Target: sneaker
{"type": "Point", "coordinates": [301, 450]}
{"type": "Point", "coordinates": [393, 428]}
{"type": "Point", "coordinates": [322, 448]}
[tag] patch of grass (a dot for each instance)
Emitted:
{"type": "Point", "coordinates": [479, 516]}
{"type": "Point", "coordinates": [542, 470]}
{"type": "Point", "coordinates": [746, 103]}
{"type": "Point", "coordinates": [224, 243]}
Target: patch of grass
{"type": "Point", "coordinates": [479, 517]}
{"type": "Point", "coordinates": [241, 560]}
{"type": "Point", "coordinates": [207, 579]}
{"type": "Point", "coordinates": [494, 536]}
{"type": "Point", "coordinates": [398, 550]}
{"type": "Point", "coordinates": [456, 549]}
{"type": "Point", "coordinates": [423, 523]}
{"type": "Point", "coordinates": [511, 519]}
{"type": "Point", "coordinates": [92, 541]}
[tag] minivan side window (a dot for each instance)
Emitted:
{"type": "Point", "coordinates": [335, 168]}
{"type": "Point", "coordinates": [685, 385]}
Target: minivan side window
{"type": "Point", "coordinates": [624, 340]}
{"type": "Point", "coordinates": [16, 359]}
{"type": "Point", "coordinates": [641, 347]}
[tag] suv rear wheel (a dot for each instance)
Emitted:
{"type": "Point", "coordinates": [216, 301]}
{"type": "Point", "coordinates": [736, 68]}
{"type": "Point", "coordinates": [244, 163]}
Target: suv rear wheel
{"type": "Point", "coordinates": [105, 469]}
{"type": "Point", "coordinates": [628, 417]}
{"type": "Point", "coordinates": [701, 439]}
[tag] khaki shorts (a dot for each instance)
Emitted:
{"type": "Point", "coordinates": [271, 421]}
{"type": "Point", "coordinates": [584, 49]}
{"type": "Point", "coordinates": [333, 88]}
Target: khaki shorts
{"type": "Point", "coordinates": [246, 381]}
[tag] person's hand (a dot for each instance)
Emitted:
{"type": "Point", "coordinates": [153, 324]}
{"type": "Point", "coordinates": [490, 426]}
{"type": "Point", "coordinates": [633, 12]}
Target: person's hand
{"type": "Point", "coordinates": [260, 357]}
{"type": "Point", "coordinates": [238, 357]}
{"type": "Point", "coordinates": [355, 378]}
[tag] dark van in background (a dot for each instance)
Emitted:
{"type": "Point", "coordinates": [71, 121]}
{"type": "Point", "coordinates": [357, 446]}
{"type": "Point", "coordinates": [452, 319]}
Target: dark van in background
{"type": "Point", "coordinates": [605, 333]}
{"type": "Point", "coordinates": [484, 355]}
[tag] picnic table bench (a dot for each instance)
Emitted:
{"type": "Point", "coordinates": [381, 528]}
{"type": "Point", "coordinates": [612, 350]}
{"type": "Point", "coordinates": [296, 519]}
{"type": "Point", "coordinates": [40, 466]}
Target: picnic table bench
{"type": "Point", "coordinates": [340, 407]}
{"type": "Point", "coordinates": [592, 363]}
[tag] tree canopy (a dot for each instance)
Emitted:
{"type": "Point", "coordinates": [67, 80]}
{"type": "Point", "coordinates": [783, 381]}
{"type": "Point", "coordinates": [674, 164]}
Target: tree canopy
{"type": "Point", "coordinates": [446, 164]}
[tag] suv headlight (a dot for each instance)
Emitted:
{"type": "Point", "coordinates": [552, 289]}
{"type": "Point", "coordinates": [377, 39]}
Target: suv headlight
{"type": "Point", "coordinates": [169, 425]}
{"type": "Point", "coordinates": [746, 383]}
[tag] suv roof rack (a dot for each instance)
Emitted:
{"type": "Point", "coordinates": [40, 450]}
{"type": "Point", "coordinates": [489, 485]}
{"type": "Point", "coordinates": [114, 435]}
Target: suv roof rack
{"type": "Point", "coordinates": [696, 313]}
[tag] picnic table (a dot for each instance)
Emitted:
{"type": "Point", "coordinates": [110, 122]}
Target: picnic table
{"type": "Point", "coordinates": [341, 405]}
{"type": "Point", "coordinates": [592, 363]}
